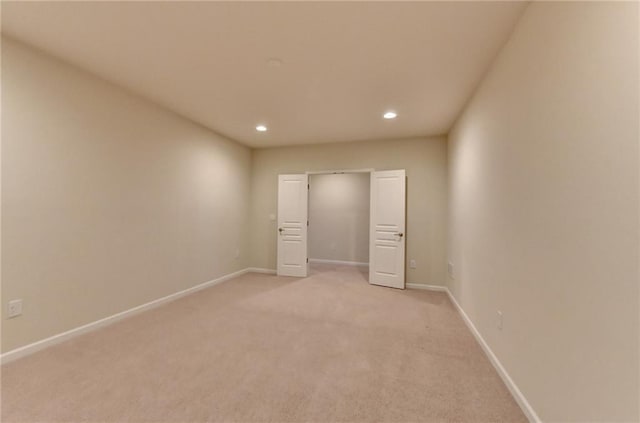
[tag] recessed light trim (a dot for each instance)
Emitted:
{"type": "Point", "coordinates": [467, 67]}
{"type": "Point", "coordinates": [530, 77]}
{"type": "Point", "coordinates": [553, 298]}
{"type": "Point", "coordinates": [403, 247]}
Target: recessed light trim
{"type": "Point", "coordinates": [261, 128]}
{"type": "Point", "coordinates": [390, 115]}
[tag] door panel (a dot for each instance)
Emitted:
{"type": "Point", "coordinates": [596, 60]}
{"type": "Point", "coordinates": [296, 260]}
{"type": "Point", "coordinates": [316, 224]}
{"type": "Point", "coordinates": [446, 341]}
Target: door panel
{"type": "Point", "coordinates": [292, 225]}
{"type": "Point", "coordinates": [386, 259]}
{"type": "Point", "coordinates": [387, 240]}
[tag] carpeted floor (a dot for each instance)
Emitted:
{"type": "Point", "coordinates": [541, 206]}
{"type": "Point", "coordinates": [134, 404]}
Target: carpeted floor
{"type": "Point", "coordinates": [327, 348]}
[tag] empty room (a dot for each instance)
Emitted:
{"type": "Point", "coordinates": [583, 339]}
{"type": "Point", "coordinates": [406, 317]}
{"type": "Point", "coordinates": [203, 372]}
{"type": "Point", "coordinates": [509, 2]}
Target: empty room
{"type": "Point", "coordinates": [320, 211]}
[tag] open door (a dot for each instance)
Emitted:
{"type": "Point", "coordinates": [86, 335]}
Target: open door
{"type": "Point", "coordinates": [387, 232]}
{"type": "Point", "coordinates": [292, 225]}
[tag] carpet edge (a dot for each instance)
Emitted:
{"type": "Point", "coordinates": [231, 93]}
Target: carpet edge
{"type": "Point", "coordinates": [33, 347]}
{"type": "Point", "coordinates": [519, 397]}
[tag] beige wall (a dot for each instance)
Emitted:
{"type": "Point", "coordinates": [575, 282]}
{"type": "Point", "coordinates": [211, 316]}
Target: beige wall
{"type": "Point", "coordinates": [339, 217]}
{"type": "Point", "coordinates": [425, 160]}
{"type": "Point", "coordinates": [544, 209]}
{"type": "Point", "coordinates": [108, 201]}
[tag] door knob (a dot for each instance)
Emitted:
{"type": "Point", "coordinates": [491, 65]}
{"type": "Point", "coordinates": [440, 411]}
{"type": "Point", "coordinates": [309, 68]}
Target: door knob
{"type": "Point", "coordinates": [400, 234]}
{"type": "Point", "coordinates": [281, 230]}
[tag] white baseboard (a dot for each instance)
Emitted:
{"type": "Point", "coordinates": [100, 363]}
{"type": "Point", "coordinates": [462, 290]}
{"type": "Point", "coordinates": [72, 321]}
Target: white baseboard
{"type": "Point", "coordinates": [261, 270]}
{"type": "Point", "coordinates": [427, 287]}
{"type": "Point", "coordinates": [513, 388]}
{"type": "Point", "coordinates": [348, 263]}
{"type": "Point", "coordinates": [56, 339]}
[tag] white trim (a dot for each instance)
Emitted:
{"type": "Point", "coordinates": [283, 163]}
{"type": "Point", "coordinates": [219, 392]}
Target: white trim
{"type": "Point", "coordinates": [347, 263]}
{"type": "Point", "coordinates": [329, 172]}
{"type": "Point", "coordinates": [427, 287]}
{"type": "Point", "coordinates": [89, 327]}
{"type": "Point", "coordinates": [513, 388]}
{"type": "Point", "coordinates": [56, 339]}
{"type": "Point", "coordinates": [261, 270]}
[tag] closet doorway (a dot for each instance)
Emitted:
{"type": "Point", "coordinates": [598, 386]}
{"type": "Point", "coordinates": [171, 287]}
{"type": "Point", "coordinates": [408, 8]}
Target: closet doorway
{"type": "Point", "coordinates": [339, 208]}
{"type": "Point", "coordinates": [339, 224]}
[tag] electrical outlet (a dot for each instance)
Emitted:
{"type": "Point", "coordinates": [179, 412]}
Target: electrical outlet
{"type": "Point", "coordinates": [499, 321]}
{"type": "Point", "coordinates": [15, 308]}
{"type": "Point", "coordinates": [450, 269]}
{"type": "Point", "coordinates": [412, 264]}
{"type": "Point", "coordinates": [237, 253]}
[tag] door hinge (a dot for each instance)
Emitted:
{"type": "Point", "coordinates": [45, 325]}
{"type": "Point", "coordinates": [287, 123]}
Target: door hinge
{"type": "Point", "coordinates": [307, 223]}
{"type": "Point", "coordinates": [307, 259]}
{"type": "Point", "coordinates": [307, 186]}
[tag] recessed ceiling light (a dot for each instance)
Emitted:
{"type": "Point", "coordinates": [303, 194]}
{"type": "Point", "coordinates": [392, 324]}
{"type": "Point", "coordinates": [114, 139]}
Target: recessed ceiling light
{"type": "Point", "coordinates": [261, 128]}
{"type": "Point", "coordinates": [390, 115]}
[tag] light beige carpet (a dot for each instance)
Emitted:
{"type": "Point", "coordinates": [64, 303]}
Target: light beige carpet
{"type": "Point", "coordinates": [327, 348]}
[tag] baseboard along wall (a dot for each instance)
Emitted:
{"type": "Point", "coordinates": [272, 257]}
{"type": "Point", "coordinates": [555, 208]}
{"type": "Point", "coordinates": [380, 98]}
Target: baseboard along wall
{"type": "Point", "coordinates": [348, 263]}
{"type": "Point", "coordinates": [426, 287]}
{"type": "Point", "coordinates": [528, 411]}
{"type": "Point", "coordinates": [260, 270]}
{"type": "Point", "coordinates": [56, 339]}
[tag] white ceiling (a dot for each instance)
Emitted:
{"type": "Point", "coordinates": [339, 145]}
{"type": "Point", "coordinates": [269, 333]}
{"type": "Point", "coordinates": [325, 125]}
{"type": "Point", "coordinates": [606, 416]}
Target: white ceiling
{"type": "Point", "coordinates": [344, 63]}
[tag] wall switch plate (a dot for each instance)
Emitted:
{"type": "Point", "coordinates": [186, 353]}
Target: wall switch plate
{"type": "Point", "coordinates": [499, 322]}
{"type": "Point", "coordinates": [412, 264]}
{"type": "Point", "coordinates": [450, 269]}
{"type": "Point", "coordinates": [237, 253]}
{"type": "Point", "coordinates": [15, 308]}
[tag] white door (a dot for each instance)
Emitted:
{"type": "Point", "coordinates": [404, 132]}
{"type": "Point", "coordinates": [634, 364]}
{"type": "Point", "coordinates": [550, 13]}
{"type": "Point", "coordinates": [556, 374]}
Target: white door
{"type": "Point", "coordinates": [292, 225]}
{"type": "Point", "coordinates": [387, 233]}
